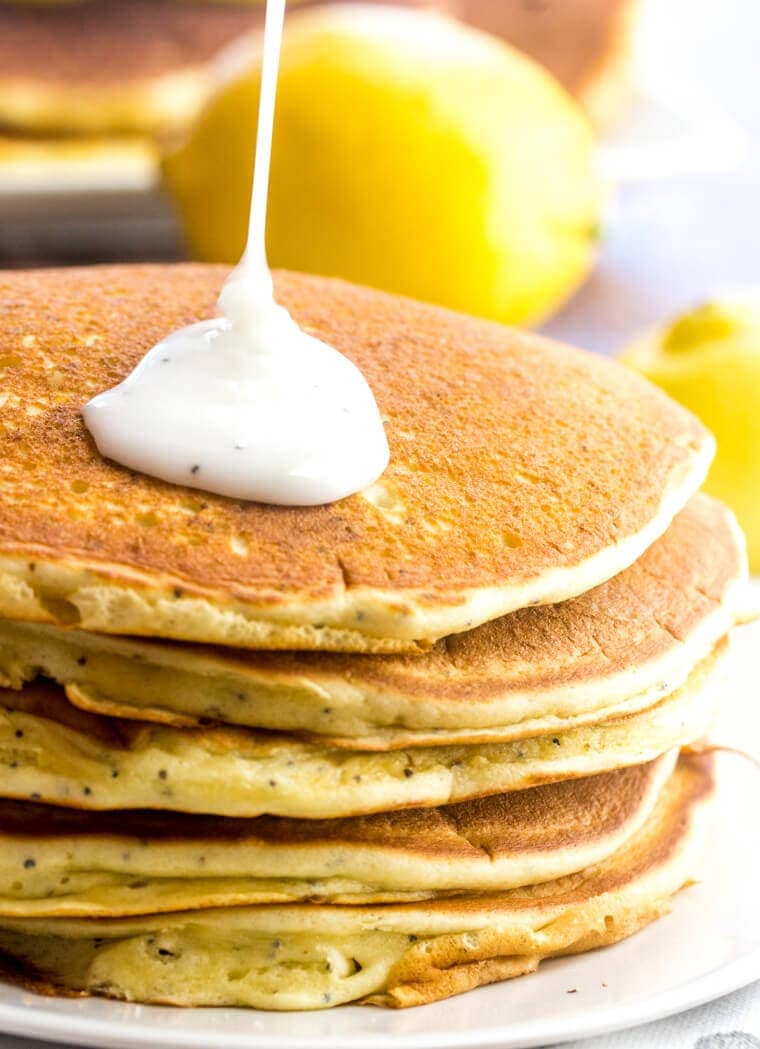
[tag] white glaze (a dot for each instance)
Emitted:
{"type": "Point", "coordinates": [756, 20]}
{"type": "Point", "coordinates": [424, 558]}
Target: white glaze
{"type": "Point", "coordinates": [247, 404]}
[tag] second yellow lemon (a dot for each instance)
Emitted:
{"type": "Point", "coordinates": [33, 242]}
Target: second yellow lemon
{"type": "Point", "coordinates": [709, 360]}
{"type": "Point", "coordinates": [411, 153]}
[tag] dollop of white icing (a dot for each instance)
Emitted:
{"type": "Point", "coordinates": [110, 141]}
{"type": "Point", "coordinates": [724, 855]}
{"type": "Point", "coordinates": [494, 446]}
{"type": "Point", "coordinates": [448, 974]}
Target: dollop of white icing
{"type": "Point", "coordinates": [247, 404]}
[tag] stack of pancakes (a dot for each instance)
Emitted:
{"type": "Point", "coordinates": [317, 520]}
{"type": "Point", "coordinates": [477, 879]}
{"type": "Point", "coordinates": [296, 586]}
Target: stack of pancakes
{"type": "Point", "coordinates": [103, 67]}
{"type": "Point", "coordinates": [383, 750]}
{"type": "Point", "coordinates": [86, 88]}
{"type": "Point", "coordinates": [88, 83]}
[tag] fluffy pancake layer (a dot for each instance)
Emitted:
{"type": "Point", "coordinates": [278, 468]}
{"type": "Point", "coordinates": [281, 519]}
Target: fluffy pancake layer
{"type": "Point", "coordinates": [53, 752]}
{"type": "Point", "coordinates": [305, 956]}
{"type": "Point", "coordinates": [62, 862]}
{"type": "Point", "coordinates": [477, 515]}
{"type": "Point", "coordinates": [615, 650]}
{"type": "Point", "coordinates": [102, 66]}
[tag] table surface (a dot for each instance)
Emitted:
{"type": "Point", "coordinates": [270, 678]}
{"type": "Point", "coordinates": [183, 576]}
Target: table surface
{"type": "Point", "coordinates": [673, 242]}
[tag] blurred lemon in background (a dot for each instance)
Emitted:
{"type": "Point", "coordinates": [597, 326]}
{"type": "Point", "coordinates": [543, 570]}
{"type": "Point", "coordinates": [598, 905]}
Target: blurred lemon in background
{"type": "Point", "coordinates": [709, 360]}
{"type": "Point", "coordinates": [411, 153]}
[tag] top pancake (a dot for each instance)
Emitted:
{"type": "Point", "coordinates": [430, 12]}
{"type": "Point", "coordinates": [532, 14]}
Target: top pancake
{"type": "Point", "coordinates": [521, 472]}
{"type": "Point", "coordinates": [105, 65]}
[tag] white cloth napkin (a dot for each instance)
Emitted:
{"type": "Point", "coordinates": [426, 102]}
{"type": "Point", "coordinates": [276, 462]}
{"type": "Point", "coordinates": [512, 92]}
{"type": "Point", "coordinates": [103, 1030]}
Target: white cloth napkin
{"type": "Point", "coordinates": [732, 1022]}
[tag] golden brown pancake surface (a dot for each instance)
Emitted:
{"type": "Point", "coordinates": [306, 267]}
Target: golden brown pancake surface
{"type": "Point", "coordinates": [521, 471]}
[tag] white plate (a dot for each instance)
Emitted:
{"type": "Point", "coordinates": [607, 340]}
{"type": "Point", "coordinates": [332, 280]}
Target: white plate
{"type": "Point", "coordinates": [708, 946]}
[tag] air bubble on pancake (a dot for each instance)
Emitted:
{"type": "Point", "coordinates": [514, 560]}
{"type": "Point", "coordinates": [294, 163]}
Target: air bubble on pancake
{"type": "Point", "coordinates": [239, 546]}
{"type": "Point", "coordinates": [79, 487]}
{"type": "Point", "coordinates": [439, 526]}
{"type": "Point", "coordinates": [190, 505]}
{"type": "Point", "coordinates": [525, 476]}
{"type": "Point", "coordinates": [383, 498]}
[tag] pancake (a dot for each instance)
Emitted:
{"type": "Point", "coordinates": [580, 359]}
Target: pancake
{"type": "Point", "coordinates": [617, 649]}
{"type": "Point", "coordinates": [52, 752]}
{"type": "Point", "coordinates": [306, 956]}
{"type": "Point", "coordinates": [102, 66]}
{"type": "Point", "coordinates": [32, 163]}
{"type": "Point", "coordinates": [62, 862]}
{"type": "Point", "coordinates": [477, 515]}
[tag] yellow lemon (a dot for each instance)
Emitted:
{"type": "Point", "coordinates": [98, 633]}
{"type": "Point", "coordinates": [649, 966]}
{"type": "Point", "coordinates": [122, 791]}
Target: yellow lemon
{"type": "Point", "coordinates": [709, 359]}
{"type": "Point", "coordinates": [411, 153]}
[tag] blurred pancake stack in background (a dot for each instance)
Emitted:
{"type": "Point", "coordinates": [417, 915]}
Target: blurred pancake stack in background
{"type": "Point", "coordinates": [382, 750]}
{"type": "Point", "coordinates": [85, 86]}
{"type": "Point", "coordinates": [93, 92]}
{"type": "Point", "coordinates": [102, 68]}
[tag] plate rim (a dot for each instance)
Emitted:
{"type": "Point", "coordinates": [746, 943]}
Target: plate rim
{"type": "Point", "coordinates": [20, 1021]}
